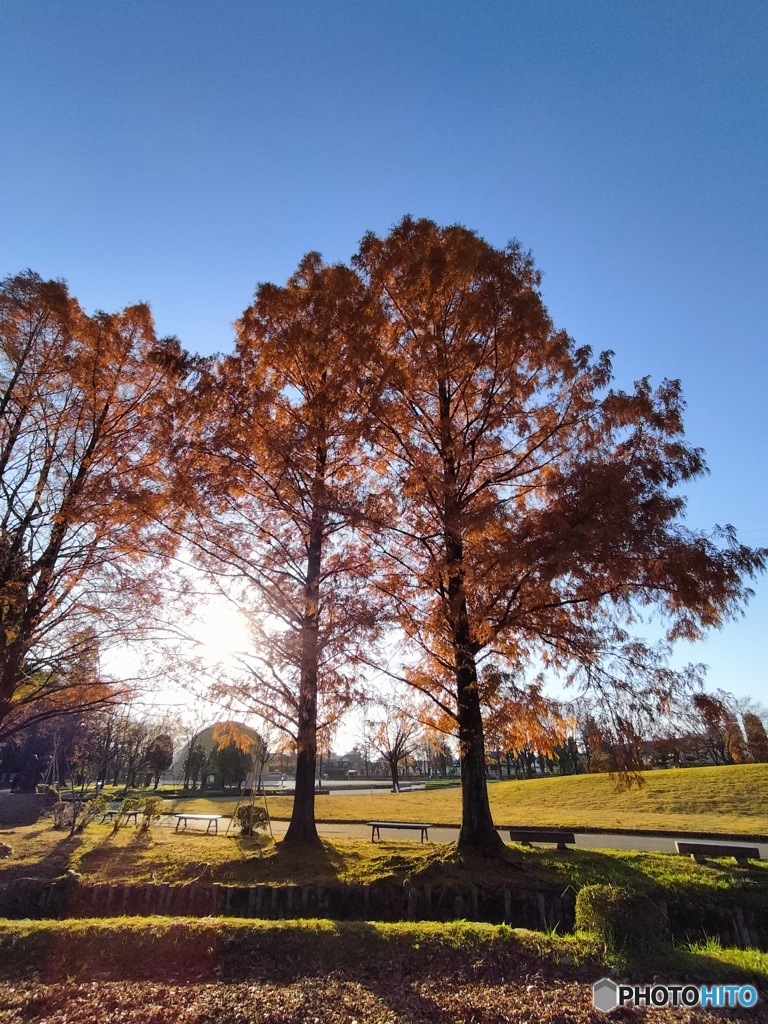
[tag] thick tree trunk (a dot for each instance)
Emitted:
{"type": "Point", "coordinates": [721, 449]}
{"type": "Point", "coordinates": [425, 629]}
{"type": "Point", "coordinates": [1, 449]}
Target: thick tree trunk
{"type": "Point", "coordinates": [478, 833]}
{"type": "Point", "coordinates": [302, 828]}
{"type": "Point", "coordinates": [11, 661]}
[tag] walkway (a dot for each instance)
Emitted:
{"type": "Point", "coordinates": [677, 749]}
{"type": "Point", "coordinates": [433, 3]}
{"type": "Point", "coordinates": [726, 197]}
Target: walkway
{"type": "Point", "coordinates": [584, 840]}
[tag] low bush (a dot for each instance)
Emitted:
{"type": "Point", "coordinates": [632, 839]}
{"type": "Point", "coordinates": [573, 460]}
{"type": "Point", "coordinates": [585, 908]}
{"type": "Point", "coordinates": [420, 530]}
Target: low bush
{"type": "Point", "coordinates": [629, 923]}
{"type": "Point", "coordinates": [77, 814]}
{"type": "Point", "coordinates": [151, 809]}
{"type": "Point", "coordinates": [250, 818]}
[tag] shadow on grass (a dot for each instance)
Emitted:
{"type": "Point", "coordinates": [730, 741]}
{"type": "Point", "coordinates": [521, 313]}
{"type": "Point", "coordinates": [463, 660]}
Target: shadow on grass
{"type": "Point", "coordinates": [53, 863]}
{"type": "Point", "coordinates": [660, 875]}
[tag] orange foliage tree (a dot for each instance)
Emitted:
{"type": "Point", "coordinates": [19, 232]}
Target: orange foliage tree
{"type": "Point", "coordinates": [84, 423]}
{"type": "Point", "coordinates": [277, 478]}
{"type": "Point", "coordinates": [395, 737]}
{"type": "Point", "coordinates": [534, 510]}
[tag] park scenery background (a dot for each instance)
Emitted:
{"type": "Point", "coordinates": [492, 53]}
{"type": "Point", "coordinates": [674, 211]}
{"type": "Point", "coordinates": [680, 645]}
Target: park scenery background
{"type": "Point", "coordinates": [381, 459]}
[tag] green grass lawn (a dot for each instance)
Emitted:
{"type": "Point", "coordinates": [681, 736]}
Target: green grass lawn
{"type": "Point", "coordinates": [162, 855]}
{"type": "Point", "coordinates": [724, 799]}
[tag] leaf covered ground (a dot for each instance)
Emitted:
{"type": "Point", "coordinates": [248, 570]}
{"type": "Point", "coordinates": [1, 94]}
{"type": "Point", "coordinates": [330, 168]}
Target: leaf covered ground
{"type": "Point", "coordinates": [190, 972]}
{"type": "Point", "coordinates": [328, 1000]}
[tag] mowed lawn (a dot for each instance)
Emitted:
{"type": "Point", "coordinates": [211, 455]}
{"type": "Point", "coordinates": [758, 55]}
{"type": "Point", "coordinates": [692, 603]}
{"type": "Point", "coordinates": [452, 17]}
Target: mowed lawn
{"type": "Point", "coordinates": [724, 799]}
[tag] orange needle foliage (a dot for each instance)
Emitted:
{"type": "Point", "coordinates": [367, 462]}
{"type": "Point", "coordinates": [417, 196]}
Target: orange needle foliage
{"type": "Point", "coordinates": [280, 478]}
{"type": "Point", "coordinates": [533, 510]}
{"type": "Point", "coordinates": [84, 425]}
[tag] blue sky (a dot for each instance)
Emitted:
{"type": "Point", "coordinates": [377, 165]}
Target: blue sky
{"type": "Point", "coordinates": [180, 152]}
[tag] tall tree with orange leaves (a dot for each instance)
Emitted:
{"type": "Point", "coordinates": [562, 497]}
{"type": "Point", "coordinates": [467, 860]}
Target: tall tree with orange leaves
{"type": "Point", "coordinates": [534, 510]}
{"type": "Point", "coordinates": [85, 423]}
{"type": "Point", "coordinates": [278, 477]}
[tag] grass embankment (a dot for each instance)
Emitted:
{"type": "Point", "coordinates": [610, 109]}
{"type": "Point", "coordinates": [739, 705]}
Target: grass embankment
{"type": "Point", "coordinates": [726, 799]}
{"type": "Point", "coordinates": [187, 949]}
{"type": "Point", "coordinates": [162, 855]}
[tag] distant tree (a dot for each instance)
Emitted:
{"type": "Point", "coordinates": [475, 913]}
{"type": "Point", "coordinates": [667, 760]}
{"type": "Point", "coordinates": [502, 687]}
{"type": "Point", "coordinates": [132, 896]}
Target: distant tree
{"type": "Point", "coordinates": [734, 740]}
{"type": "Point", "coordinates": [194, 763]}
{"type": "Point", "coordinates": [711, 721]}
{"type": "Point", "coordinates": [395, 739]}
{"type": "Point", "coordinates": [85, 424]}
{"type": "Point", "coordinates": [437, 750]}
{"type": "Point", "coordinates": [568, 756]}
{"type": "Point", "coordinates": [757, 738]}
{"type": "Point", "coordinates": [159, 755]}
{"type": "Point", "coordinates": [233, 762]}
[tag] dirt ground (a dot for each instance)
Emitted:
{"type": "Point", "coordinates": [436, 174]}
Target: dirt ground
{"type": "Point", "coordinates": [329, 1000]}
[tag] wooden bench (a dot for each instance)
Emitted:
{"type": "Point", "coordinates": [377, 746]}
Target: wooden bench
{"type": "Point", "coordinates": [701, 851]}
{"type": "Point", "coordinates": [115, 809]}
{"type": "Point", "coordinates": [420, 826]}
{"type": "Point", "coordinates": [212, 819]}
{"type": "Point", "coordinates": [525, 836]}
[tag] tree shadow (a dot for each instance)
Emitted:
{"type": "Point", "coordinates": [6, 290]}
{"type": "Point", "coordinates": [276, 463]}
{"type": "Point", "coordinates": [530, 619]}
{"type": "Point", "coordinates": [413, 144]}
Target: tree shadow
{"type": "Point", "coordinates": [50, 865]}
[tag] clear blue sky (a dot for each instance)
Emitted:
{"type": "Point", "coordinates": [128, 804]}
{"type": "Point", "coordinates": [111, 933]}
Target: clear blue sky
{"type": "Point", "coordinates": [180, 152]}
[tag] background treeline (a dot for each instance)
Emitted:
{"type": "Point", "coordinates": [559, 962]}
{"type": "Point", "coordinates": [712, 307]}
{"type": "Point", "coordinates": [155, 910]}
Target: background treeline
{"type": "Point", "coordinates": [118, 747]}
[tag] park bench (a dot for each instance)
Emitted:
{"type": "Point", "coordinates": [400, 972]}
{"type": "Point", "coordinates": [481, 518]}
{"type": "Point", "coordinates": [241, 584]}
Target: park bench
{"type": "Point", "coordinates": [212, 819]}
{"type": "Point", "coordinates": [419, 826]}
{"type": "Point", "coordinates": [114, 809]}
{"type": "Point", "coordinates": [700, 851]}
{"type": "Point", "coordinates": [525, 836]}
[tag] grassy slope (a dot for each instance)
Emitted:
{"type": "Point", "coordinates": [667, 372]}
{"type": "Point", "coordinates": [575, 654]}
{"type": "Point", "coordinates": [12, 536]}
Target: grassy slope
{"type": "Point", "coordinates": [725, 799]}
{"type": "Point", "coordinates": [227, 949]}
{"type": "Point", "coordinates": [163, 856]}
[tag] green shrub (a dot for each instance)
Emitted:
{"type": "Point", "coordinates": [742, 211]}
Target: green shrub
{"type": "Point", "coordinates": [250, 818]}
{"type": "Point", "coordinates": [91, 809]}
{"type": "Point", "coordinates": [77, 814]}
{"type": "Point", "coordinates": [628, 922]}
{"type": "Point", "coordinates": [61, 812]}
{"type": "Point", "coordinates": [151, 809]}
{"type": "Point", "coordinates": [50, 793]}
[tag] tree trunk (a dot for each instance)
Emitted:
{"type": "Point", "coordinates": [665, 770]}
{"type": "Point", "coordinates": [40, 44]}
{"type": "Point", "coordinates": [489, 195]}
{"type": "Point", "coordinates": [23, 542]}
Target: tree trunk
{"type": "Point", "coordinates": [395, 775]}
{"type": "Point", "coordinates": [477, 829]}
{"type": "Point", "coordinates": [302, 828]}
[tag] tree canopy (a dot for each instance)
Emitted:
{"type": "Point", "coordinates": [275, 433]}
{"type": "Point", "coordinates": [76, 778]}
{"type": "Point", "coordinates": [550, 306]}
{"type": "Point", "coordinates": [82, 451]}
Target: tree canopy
{"type": "Point", "coordinates": [401, 455]}
{"type": "Point", "coordinates": [534, 510]}
{"type": "Point", "coordinates": [85, 426]}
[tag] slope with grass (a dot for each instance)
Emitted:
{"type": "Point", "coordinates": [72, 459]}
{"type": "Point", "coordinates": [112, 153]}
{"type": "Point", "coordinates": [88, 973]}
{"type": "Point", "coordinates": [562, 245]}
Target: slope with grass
{"type": "Point", "coordinates": [732, 799]}
{"type": "Point", "coordinates": [164, 856]}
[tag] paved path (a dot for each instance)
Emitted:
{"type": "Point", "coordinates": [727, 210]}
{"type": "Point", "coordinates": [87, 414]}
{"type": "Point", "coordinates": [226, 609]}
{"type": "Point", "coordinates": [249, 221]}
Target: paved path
{"type": "Point", "coordinates": [587, 841]}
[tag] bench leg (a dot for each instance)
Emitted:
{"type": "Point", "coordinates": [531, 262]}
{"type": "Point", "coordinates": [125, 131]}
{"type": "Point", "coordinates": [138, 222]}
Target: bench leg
{"type": "Point", "coordinates": [742, 862]}
{"type": "Point", "coordinates": [562, 846]}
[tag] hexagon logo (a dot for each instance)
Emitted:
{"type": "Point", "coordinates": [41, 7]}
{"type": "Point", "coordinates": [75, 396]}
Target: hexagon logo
{"type": "Point", "coordinates": [605, 995]}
